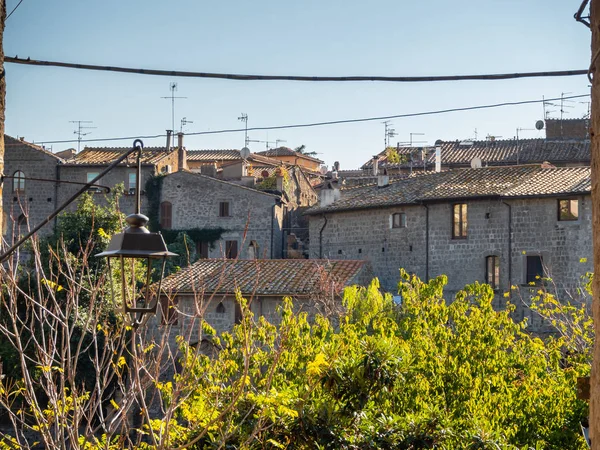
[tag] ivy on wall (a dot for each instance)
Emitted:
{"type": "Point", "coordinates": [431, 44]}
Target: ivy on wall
{"type": "Point", "coordinates": [153, 191]}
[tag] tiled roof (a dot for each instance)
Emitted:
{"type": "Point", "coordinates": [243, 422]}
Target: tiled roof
{"type": "Point", "coordinates": [285, 151]}
{"type": "Point", "coordinates": [264, 277]}
{"type": "Point", "coordinates": [498, 152]}
{"type": "Point", "coordinates": [213, 155]}
{"type": "Point", "coordinates": [13, 144]}
{"type": "Point", "coordinates": [106, 155]}
{"type": "Point", "coordinates": [504, 182]}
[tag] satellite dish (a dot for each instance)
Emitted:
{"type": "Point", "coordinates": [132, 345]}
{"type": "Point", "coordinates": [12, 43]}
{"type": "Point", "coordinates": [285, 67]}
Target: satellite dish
{"type": "Point", "coordinates": [476, 163]}
{"type": "Point", "coordinates": [539, 125]}
{"type": "Point", "coordinates": [245, 152]}
{"type": "Point", "coordinates": [323, 170]}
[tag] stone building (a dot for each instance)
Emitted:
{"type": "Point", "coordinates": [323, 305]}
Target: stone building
{"type": "Point", "coordinates": [26, 199]}
{"type": "Point", "coordinates": [503, 225]}
{"type": "Point", "coordinates": [207, 290]}
{"type": "Point", "coordinates": [252, 219]}
{"type": "Point", "coordinates": [87, 164]}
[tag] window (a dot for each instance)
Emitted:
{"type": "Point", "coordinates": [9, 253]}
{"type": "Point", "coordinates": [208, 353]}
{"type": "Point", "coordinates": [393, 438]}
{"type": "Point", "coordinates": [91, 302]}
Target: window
{"type": "Point", "coordinates": [231, 249]}
{"type": "Point", "coordinates": [224, 209]}
{"type": "Point", "coordinates": [132, 182]}
{"type": "Point", "coordinates": [18, 181]}
{"type": "Point", "coordinates": [492, 271]}
{"type": "Point", "coordinates": [166, 213]}
{"type": "Point", "coordinates": [534, 269]}
{"type": "Point", "coordinates": [90, 177]}
{"type": "Point", "coordinates": [168, 309]}
{"type": "Point", "coordinates": [202, 249]}
{"type": "Point", "coordinates": [399, 220]}
{"type": "Point", "coordinates": [221, 308]}
{"type": "Point", "coordinates": [568, 209]}
{"type": "Point", "coordinates": [253, 250]}
{"type": "Point", "coordinates": [459, 221]}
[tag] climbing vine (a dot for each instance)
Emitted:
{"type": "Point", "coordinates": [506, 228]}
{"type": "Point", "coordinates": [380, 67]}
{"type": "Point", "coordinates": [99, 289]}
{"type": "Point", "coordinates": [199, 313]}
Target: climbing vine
{"type": "Point", "coordinates": [174, 237]}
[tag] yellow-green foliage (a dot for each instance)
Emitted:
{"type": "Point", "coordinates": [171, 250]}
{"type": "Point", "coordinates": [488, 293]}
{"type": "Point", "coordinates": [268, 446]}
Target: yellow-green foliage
{"type": "Point", "coordinates": [427, 374]}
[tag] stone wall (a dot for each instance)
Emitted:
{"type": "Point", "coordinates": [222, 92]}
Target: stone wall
{"type": "Point", "coordinates": [253, 215]}
{"type": "Point", "coordinates": [565, 246]}
{"type": "Point", "coordinates": [38, 199]}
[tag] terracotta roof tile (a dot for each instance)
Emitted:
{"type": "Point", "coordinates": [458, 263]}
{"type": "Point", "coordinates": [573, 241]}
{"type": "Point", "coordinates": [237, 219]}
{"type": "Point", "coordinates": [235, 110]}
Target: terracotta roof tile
{"type": "Point", "coordinates": [106, 155]}
{"type": "Point", "coordinates": [213, 155]}
{"type": "Point", "coordinates": [264, 277]}
{"type": "Point", "coordinates": [505, 182]}
{"type": "Point", "coordinates": [498, 152]}
{"type": "Point", "coordinates": [13, 144]}
{"type": "Point", "coordinates": [285, 151]}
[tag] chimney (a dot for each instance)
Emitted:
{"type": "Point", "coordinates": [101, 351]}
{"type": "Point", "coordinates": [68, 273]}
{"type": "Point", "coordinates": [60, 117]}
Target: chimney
{"type": "Point", "coordinates": [383, 180]}
{"type": "Point", "coordinates": [438, 159]}
{"type": "Point", "coordinates": [336, 166]}
{"type": "Point", "coordinates": [329, 194]}
{"type": "Point", "coordinates": [375, 165]}
{"type": "Point", "coordinates": [181, 153]}
{"type": "Point", "coordinates": [168, 145]}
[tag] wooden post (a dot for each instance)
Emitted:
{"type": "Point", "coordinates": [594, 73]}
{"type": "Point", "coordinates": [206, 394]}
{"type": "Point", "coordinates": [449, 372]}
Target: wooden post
{"type": "Point", "coordinates": [595, 150]}
{"type": "Point", "coordinates": [2, 103]}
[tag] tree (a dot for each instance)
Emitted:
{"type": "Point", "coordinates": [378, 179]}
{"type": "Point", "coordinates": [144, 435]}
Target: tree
{"type": "Point", "coordinates": [302, 149]}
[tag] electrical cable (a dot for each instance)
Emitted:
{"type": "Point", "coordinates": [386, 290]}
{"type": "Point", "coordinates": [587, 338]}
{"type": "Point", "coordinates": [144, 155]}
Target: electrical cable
{"type": "Point", "coordinates": [247, 77]}
{"type": "Point", "coordinates": [318, 124]}
{"type": "Point", "coordinates": [14, 9]}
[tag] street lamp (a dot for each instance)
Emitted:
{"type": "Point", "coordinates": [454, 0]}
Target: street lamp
{"type": "Point", "coordinates": [134, 244]}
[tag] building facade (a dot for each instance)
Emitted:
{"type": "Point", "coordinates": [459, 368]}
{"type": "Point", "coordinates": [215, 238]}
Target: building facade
{"type": "Point", "coordinates": [506, 226]}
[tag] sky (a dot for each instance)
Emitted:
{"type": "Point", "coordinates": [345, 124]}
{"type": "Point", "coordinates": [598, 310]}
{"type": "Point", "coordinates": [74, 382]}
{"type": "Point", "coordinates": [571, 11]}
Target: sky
{"type": "Point", "coordinates": [309, 37]}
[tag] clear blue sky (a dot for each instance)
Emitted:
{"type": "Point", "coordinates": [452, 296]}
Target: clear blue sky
{"type": "Point", "coordinates": [309, 37]}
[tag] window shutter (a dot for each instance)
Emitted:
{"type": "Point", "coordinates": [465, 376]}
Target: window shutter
{"type": "Point", "coordinates": [166, 212]}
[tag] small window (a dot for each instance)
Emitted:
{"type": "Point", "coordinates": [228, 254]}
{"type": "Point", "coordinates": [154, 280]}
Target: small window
{"type": "Point", "coordinates": [231, 249]}
{"type": "Point", "coordinates": [568, 209]}
{"type": "Point", "coordinates": [202, 249]}
{"type": "Point", "coordinates": [264, 174]}
{"type": "Point", "coordinates": [399, 220]}
{"type": "Point", "coordinates": [132, 182]}
{"type": "Point", "coordinates": [253, 250]}
{"type": "Point", "coordinates": [224, 209]}
{"type": "Point", "coordinates": [166, 215]}
{"type": "Point", "coordinates": [18, 181]}
{"type": "Point", "coordinates": [90, 177]}
{"type": "Point", "coordinates": [168, 307]}
{"type": "Point", "coordinates": [492, 271]}
{"type": "Point", "coordinates": [221, 308]}
{"type": "Point", "coordinates": [534, 269]}
{"type": "Point", "coordinates": [459, 221]}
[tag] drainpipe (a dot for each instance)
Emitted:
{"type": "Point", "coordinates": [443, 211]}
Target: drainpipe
{"type": "Point", "coordinates": [509, 245]}
{"type": "Point", "coordinates": [321, 237]}
{"type": "Point", "coordinates": [272, 226]}
{"type": "Point", "coordinates": [426, 242]}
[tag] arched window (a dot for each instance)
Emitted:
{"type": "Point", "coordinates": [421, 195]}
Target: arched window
{"type": "Point", "coordinates": [21, 225]}
{"type": "Point", "coordinates": [18, 181]}
{"type": "Point", "coordinates": [166, 215]}
{"type": "Point", "coordinates": [220, 308]}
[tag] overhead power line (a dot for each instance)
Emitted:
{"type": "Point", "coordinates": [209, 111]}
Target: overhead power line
{"type": "Point", "coordinates": [243, 77]}
{"type": "Point", "coordinates": [331, 122]}
{"type": "Point", "coordinates": [14, 9]}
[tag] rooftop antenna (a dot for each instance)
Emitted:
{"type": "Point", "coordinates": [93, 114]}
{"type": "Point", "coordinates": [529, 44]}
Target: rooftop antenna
{"type": "Point", "coordinates": [244, 118]}
{"type": "Point", "coordinates": [415, 134]}
{"type": "Point", "coordinates": [389, 133]}
{"type": "Point", "coordinates": [475, 132]}
{"type": "Point", "coordinates": [277, 141]}
{"type": "Point", "coordinates": [184, 122]}
{"type": "Point", "coordinates": [79, 131]}
{"type": "Point", "coordinates": [173, 88]}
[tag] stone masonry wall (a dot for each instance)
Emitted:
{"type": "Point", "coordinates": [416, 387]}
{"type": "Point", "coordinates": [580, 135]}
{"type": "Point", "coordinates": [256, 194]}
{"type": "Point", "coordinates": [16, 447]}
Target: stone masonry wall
{"type": "Point", "coordinates": [38, 200]}
{"type": "Point", "coordinates": [565, 246]}
{"type": "Point", "coordinates": [195, 203]}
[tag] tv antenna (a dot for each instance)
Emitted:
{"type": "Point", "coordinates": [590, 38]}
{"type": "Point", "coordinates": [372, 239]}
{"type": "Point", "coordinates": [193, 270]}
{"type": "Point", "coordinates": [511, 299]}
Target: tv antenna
{"type": "Point", "coordinates": [79, 131]}
{"type": "Point", "coordinates": [563, 106]}
{"type": "Point", "coordinates": [389, 133]}
{"type": "Point", "coordinates": [173, 88]}
{"type": "Point", "coordinates": [184, 122]}
{"type": "Point", "coordinates": [244, 118]}
{"type": "Point", "coordinates": [411, 142]}
{"type": "Point", "coordinates": [277, 141]}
